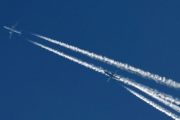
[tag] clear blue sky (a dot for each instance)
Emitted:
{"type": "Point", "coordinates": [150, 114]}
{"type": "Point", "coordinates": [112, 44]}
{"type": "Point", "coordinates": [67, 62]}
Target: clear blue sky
{"type": "Point", "coordinates": [38, 85]}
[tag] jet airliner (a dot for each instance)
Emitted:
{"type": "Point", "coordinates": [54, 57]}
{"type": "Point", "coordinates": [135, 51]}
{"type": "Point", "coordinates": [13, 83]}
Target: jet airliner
{"type": "Point", "coordinates": [12, 30]}
{"type": "Point", "coordinates": [111, 75]}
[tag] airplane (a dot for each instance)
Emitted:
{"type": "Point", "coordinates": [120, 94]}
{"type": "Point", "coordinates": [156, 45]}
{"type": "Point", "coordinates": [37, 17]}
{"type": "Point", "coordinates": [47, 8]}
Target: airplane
{"type": "Point", "coordinates": [12, 30]}
{"type": "Point", "coordinates": [111, 75]}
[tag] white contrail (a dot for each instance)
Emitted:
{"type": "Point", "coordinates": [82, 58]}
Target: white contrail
{"type": "Point", "coordinates": [166, 97]}
{"type": "Point", "coordinates": [158, 107]}
{"type": "Point", "coordinates": [70, 58]}
{"type": "Point", "coordinates": [123, 66]}
{"type": "Point", "coordinates": [98, 69]}
{"type": "Point", "coordinates": [156, 95]}
{"type": "Point", "coordinates": [153, 93]}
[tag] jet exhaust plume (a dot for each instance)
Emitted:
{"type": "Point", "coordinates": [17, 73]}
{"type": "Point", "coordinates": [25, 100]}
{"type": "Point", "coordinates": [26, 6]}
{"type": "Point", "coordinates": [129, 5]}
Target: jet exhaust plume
{"type": "Point", "coordinates": [167, 97]}
{"type": "Point", "coordinates": [69, 57]}
{"type": "Point", "coordinates": [153, 93]}
{"type": "Point", "coordinates": [146, 74]}
{"type": "Point", "coordinates": [158, 107]}
{"type": "Point", "coordinates": [157, 95]}
{"type": "Point", "coordinates": [101, 70]}
{"type": "Point", "coordinates": [161, 95]}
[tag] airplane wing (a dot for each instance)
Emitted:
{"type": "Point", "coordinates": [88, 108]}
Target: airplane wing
{"type": "Point", "coordinates": [10, 34]}
{"type": "Point", "coordinates": [13, 27]}
{"type": "Point", "coordinates": [108, 79]}
{"type": "Point", "coordinates": [115, 72]}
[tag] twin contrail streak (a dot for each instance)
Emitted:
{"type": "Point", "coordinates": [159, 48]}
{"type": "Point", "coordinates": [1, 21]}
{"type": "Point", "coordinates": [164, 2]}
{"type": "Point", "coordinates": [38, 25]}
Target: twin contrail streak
{"type": "Point", "coordinates": [150, 92]}
{"type": "Point", "coordinates": [70, 58]}
{"type": "Point", "coordinates": [161, 95]}
{"type": "Point", "coordinates": [158, 107]}
{"type": "Point", "coordinates": [166, 97]}
{"type": "Point", "coordinates": [155, 94]}
{"type": "Point", "coordinates": [123, 66]}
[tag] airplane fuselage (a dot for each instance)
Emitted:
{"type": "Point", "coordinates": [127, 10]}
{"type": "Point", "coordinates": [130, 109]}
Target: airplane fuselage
{"type": "Point", "coordinates": [12, 30]}
{"type": "Point", "coordinates": [111, 75]}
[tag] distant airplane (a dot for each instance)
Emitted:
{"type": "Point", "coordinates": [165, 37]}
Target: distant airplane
{"type": "Point", "coordinates": [111, 75]}
{"type": "Point", "coordinates": [12, 30]}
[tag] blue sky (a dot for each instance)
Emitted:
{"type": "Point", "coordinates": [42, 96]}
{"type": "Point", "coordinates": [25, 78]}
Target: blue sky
{"type": "Point", "coordinates": [37, 84]}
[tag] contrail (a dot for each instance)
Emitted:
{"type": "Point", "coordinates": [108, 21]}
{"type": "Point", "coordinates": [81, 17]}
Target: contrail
{"type": "Point", "coordinates": [162, 95]}
{"type": "Point", "coordinates": [158, 107]}
{"type": "Point", "coordinates": [70, 58]}
{"type": "Point", "coordinates": [152, 93]}
{"type": "Point", "coordinates": [156, 95]}
{"type": "Point", "coordinates": [166, 97]}
{"type": "Point", "coordinates": [157, 78]}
